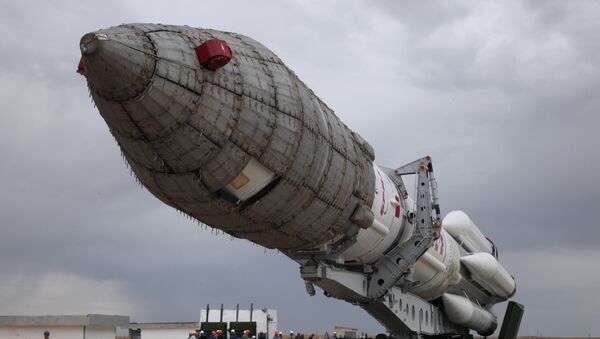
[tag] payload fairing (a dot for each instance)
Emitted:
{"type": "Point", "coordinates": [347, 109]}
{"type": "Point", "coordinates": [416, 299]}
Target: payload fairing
{"type": "Point", "coordinates": [215, 125]}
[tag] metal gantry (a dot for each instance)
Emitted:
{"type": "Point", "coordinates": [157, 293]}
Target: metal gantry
{"type": "Point", "coordinates": [397, 263]}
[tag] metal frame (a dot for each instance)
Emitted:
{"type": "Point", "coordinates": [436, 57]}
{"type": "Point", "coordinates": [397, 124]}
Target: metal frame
{"type": "Point", "coordinates": [397, 263]}
{"type": "Point", "coordinates": [394, 311]}
{"type": "Point", "coordinates": [384, 292]}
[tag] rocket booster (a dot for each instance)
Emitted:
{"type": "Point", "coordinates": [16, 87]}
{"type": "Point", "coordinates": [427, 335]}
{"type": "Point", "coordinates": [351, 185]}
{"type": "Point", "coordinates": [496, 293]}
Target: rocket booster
{"type": "Point", "coordinates": [215, 125]}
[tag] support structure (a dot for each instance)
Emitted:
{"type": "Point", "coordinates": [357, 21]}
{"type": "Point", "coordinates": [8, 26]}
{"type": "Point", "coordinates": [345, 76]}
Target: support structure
{"type": "Point", "coordinates": [403, 314]}
{"type": "Point", "coordinates": [384, 292]}
{"type": "Point", "coordinates": [397, 262]}
{"type": "Point", "coordinates": [512, 321]}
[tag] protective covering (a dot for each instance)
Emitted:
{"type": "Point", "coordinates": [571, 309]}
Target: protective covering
{"type": "Point", "coordinates": [190, 133]}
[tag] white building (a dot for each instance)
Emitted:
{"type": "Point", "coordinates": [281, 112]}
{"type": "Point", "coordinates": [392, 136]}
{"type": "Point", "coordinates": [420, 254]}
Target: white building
{"type": "Point", "coordinates": [178, 330]}
{"type": "Point", "coordinates": [91, 326]}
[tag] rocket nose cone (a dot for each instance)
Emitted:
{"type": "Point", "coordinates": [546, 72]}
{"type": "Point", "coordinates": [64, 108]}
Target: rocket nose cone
{"type": "Point", "coordinates": [89, 42]}
{"type": "Point", "coordinates": [119, 62]}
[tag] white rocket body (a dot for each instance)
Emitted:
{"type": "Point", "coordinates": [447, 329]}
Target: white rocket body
{"type": "Point", "coordinates": [488, 272]}
{"type": "Point", "coordinates": [387, 228]}
{"type": "Point", "coordinates": [464, 230]}
{"type": "Point", "coordinates": [439, 267]}
{"type": "Point", "coordinates": [463, 312]}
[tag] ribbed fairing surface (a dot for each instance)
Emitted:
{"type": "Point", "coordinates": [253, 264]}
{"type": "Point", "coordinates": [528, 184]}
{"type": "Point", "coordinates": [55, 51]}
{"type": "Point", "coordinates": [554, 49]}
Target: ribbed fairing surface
{"type": "Point", "coordinates": [189, 131]}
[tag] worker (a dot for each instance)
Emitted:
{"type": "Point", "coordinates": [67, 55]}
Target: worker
{"type": "Point", "coordinates": [202, 335]}
{"type": "Point", "coordinates": [246, 334]}
{"type": "Point", "coordinates": [276, 335]}
{"type": "Point", "coordinates": [291, 335]}
{"type": "Point", "coordinates": [46, 334]}
{"type": "Point", "coordinates": [192, 335]}
{"type": "Point", "coordinates": [262, 335]}
{"type": "Point", "coordinates": [334, 336]}
{"type": "Point", "coordinates": [220, 334]}
{"type": "Point", "coordinates": [213, 334]}
{"type": "Point", "coordinates": [233, 335]}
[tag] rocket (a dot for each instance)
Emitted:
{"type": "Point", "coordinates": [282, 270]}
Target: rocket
{"type": "Point", "coordinates": [215, 125]}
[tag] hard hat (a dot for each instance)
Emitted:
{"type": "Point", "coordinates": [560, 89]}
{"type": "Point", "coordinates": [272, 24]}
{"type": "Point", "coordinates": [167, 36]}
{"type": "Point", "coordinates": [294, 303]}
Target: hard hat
{"type": "Point", "coordinates": [46, 333]}
{"type": "Point", "coordinates": [213, 332]}
{"type": "Point", "coordinates": [202, 332]}
{"type": "Point", "coordinates": [232, 331]}
{"type": "Point", "coordinates": [291, 331]}
{"type": "Point", "coordinates": [220, 331]}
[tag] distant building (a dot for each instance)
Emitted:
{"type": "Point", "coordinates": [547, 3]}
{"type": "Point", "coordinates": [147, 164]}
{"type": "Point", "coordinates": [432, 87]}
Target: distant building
{"type": "Point", "coordinates": [98, 326]}
{"type": "Point", "coordinates": [346, 332]}
{"type": "Point", "coordinates": [91, 326]}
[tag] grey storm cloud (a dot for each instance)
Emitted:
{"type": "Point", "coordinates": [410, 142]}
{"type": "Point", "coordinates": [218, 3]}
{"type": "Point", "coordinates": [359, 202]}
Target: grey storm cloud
{"type": "Point", "coordinates": [503, 95]}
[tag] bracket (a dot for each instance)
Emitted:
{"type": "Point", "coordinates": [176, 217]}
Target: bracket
{"type": "Point", "coordinates": [396, 263]}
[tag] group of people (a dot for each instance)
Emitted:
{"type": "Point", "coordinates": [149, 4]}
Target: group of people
{"type": "Point", "coordinates": [311, 336]}
{"type": "Point", "coordinates": [218, 334]}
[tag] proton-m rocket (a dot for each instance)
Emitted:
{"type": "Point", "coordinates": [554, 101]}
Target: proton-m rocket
{"type": "Point", "coordinates": [215, 125]}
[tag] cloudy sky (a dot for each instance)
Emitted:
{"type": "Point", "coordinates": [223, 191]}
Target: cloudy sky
{"type": "Point", "coordinates": [504, 95]}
